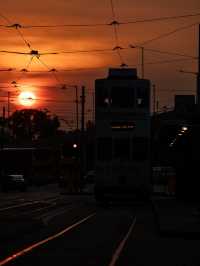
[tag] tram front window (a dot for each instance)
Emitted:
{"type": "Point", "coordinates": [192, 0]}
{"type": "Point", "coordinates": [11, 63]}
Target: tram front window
{"type": "Point", "coordinates": [122, 149]}
{"type": "Point", "coordinates": [140, 149]}
{"type": "Point", "coordinates": [122, 97]}
{"type": "Point", "coordinates": [104, 149]}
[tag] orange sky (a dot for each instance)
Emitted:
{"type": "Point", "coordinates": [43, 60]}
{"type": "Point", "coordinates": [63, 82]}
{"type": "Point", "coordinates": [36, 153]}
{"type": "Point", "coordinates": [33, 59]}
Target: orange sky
{"type": "Point", "coordinates": [165, 76]}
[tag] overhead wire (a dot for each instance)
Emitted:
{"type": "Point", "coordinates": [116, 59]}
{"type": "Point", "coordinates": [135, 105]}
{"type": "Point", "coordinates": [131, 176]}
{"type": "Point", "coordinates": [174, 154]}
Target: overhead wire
{"type": "Point", "coordinates": [42, 99]}
{"type": "Point", "coordinates": [5, 19]}
{"type": "Point", "coordinates": [36, 85]}
{"type": "Point", "coordinates": [118, 48]}
{"type": "Point", "coordinates": [23, 38]}
{"type": "Point", "coordinates": [64, 25]}
{"type": "Point", "coordinates": [188, 58]}
{"type": "Point", "coordinates": [50, 71]}
{"type": "Point", "coordinates": [88, 51]}
{"type": "Point", "coordinates": [100, 50]}
{"type": "Point", "coordinates": [171, 61]}
{"type": "Point", "coordinates": [38, 54]}
{"type": "Point", "coordinates": [135, 21]}
{"type": "Point", "coordinates": [115, 26]}
{"type": "Point", "coordinates": [23, 72]}
{"type": "Point", "coordinates": [164, 35]}
{"type": "Point", "coordinates": [16, 27]}
{"type": "Point", "coordinates": [160, 19]}
{"type": "Point", "coordinates": [7, 69]}
{"type": "Point", "coordinates": [169, 53]}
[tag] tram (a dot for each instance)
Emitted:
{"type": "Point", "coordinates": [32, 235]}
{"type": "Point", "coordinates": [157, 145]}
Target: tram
{"type": "Point", "coordinates": [123, 154]}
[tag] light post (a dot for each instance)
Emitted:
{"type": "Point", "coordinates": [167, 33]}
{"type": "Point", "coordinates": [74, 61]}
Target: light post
{"type": "Point", "coordinates": [142, 57]}
{"type": "Point", "coordinates": [76, 102]}
{"type": "Point", "coordinates": [9, 97]}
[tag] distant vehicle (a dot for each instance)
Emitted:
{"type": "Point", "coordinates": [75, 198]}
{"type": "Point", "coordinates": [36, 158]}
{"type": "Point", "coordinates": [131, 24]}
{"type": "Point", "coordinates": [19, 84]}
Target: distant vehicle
{"type": "Point", "coordinates": [13, 182]}
{"type": "Point", "coordinates": [38, 165]}
{"type": "Point", "coordinates": [15, 164]}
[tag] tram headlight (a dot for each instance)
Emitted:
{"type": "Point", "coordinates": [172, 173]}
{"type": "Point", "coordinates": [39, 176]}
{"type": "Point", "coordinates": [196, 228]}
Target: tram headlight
{"type": "Point", "coordinates": [184, 128]}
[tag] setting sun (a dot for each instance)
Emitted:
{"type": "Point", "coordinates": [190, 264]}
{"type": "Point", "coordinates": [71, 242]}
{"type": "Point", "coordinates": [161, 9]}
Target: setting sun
{"type": "Point", "coordinates": [27, 98]}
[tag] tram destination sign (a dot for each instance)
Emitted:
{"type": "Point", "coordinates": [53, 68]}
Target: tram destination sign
{"type": "Point", "coordinates": [122, 125]}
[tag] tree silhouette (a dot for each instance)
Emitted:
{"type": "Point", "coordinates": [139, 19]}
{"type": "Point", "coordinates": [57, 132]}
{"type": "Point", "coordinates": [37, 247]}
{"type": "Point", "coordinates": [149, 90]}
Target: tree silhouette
{"type": "Point", "coordinates": [32, 124]}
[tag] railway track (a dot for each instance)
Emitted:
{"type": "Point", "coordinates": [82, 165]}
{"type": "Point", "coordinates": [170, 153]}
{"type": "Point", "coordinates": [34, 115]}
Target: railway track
{"type": "Point", "coordinates": [119, 228]}
{"type": "Point", "coordinates": [35, 208]}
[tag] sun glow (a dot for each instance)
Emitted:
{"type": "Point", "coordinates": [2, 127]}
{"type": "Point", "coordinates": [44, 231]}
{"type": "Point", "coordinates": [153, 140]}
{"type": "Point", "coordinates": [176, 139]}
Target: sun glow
{"type": "Point", "coordinates": [27, 98]}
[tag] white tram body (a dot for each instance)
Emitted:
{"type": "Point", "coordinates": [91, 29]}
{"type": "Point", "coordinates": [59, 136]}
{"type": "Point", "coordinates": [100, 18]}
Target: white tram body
{"type": "Point", "coordinates": [122, 118]}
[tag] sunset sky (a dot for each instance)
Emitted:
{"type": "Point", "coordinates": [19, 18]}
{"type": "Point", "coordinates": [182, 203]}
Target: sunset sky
{"type": "Point", "coordinates": [47, 87]}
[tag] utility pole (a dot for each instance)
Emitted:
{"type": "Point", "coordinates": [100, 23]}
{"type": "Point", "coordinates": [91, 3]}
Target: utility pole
{"type": "Point", "coordinates": [142, 58]}
{"type": "Point", "coordinates": [3, 127]}
{"type": "Point", "coordinates": [154, 98]}
{"type": "Point", "coordinates": [93, 107]}
{"type": "Point", "coordinates": [142, 62]}
{"type": "Point", "coordinates": [4, 113]}
{"type": "Point", "coordinates": [82, 109]}
{"type": "Point", "coordinates": [198, 70]}
{"type": "Point", "coordinates": [8, 104]}
{"type": "Point", "coordinates": [83, 148]}
{"type": "Point", "coordinates": [157, 106]}
{"type": "Point", "coordinates": [76, 101]}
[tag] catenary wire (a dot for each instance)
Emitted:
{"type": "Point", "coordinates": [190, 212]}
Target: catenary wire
{"type": "Point", "coordinates": [164, 35]}
{"type": "Point", "coordinates": [5, 18]}
{"type": "Point", "coordinates": [117, 48]}
{"type": "Point", "coordinates": [51, 72]}
{"type": "Point", "coordinates": [115, 26]}
{"type": "Point", "coordinates": [16, 27]}
{"type": "Point", "coordinates": [108, 24]}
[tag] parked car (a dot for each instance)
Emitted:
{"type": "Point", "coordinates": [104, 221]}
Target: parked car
{"type": "Point", "coordinates": [13, 182]}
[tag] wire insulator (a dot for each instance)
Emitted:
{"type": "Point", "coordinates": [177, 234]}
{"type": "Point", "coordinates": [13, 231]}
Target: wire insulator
{"type": "Point", "coordinates": [117, 48]}
{"type": "Point", "coordinates": [114, 22]}
{"type": "Point", "coordinates": [16, 26]}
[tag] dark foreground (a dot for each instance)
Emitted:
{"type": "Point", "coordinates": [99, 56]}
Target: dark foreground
{"type": "Point", "coordinates": [47, 228]}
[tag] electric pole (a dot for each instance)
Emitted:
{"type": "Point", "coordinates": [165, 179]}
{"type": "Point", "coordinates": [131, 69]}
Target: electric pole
{"type": "Point", "coordinates": [198, 70]}
{"type": "Point", "coordinates": [4, 113]}
{"type": "Point", "coordinates": [93, 107]}
{"type": "Point", "coordinates": [83, 147]}
{"type": "Point", "coordinates": [82, 110]}
{"type": "Point", "coordinates": [157, 106]}
{"type": "Point", "coordinates": [154, 98]}
{"type": "Point", "coordinates": [76, 101]}
{"type": "Point", "coordinates": [142, 62]}
{"type": "Point", "coordinates": [142, 58]}
{"type": "Point", "coordinates": [3, 128]}
{"type": "Point", "coordinates": [8, 104]}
